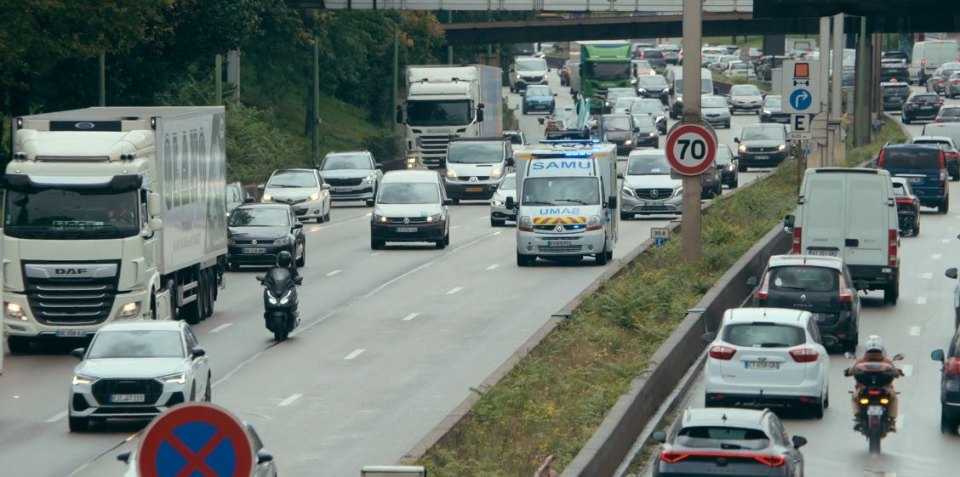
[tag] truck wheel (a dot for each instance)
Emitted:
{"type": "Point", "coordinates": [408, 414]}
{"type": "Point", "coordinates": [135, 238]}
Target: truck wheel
{"type": "Point", "coordinates": [19, 344]}
{"type": "Point", "coordinates": [891, 292]}
{"type": "Point", "coordinates": [944, 206]}
{"type": "Point", "coordinates": [191, 312]}
{"type": "Point", "coordinates": [497, 222]}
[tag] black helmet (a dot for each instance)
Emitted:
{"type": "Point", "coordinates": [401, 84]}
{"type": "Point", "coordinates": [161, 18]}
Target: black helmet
{"type": "Point", "coordinates": [284, 259]}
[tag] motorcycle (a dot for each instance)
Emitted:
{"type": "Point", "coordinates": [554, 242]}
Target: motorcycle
{"type": "Point", "coordinates": [874, 400]}
{"type": "Point", "coordinates": [907, 218]}
{"type": "Point", "coordinates": [280, 301]}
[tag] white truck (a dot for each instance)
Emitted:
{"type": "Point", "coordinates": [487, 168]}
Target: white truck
{"type": "Point", "coordinates": [112, 213]}
{"type": "Point", "coordinates": [444, 102]}
{"type": "Point", "coordinates": [566, 201]}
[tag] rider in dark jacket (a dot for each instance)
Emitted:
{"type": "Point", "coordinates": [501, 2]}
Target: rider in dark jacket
{"type": "Point", "coordinates": [285, 261]}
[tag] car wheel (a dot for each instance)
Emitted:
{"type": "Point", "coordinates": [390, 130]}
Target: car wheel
{"type": "Point", "coordinates": [891, 293]}
{"type": "Point", "coordinates": [326, 217]}
{"type": "Point", "coordinates": [446, 239]}
{"type": "Point", "coordinates": [601, 257]}
{"type": "Point", "coordinates": [441, 244]}
{"type": "Point", "coordinates": [234, 267]}
{"type": "Point", "coordinates": [741, 167]}
{"type": "Point", "coordinates": [944, 206]}
{"type": "Point", "coordinates": [609, 255]}
{"type": "Point", "coordinates": [376, 244]}
{"type": "Point", "coordinates": [947, 425]}
{"type": "Point", "coordinates": [905, 119]}
{"type": "Point", "coordinates": [816, 410]}
{"type": "Point", "coordinates": [736, 182]}
{"type": "Point", "coordinates": [497, 222]}
{"type": "Point", "coordinates": [727, 125]}
{"type": "Point", "coordinates": [78, 424]}
{"type": "Point", "coordinates": [19, 344]}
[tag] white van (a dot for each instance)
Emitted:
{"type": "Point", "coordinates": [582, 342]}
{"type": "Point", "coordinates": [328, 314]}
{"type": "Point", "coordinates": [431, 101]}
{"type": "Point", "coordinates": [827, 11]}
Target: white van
{"type": "Point", "coordinates": [675, 77]}
{"type": "Point", "coordinates": [929, 55]}
{"type": "Point", "coordinates": [863, 230]}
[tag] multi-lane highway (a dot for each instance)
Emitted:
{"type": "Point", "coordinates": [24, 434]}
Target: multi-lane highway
{"type": "Point", "coordinates": [391, 342]}
{"type": "Point", "coordinates": [922, 320]}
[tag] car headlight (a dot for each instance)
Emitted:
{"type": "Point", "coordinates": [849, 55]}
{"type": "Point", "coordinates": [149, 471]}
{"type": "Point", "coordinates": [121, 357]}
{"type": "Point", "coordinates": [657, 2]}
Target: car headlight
{"type": "Point", "coordinates": [782, 147]}
{"type": "Point", "coordinates": [743, 148]}
{"type": "Point", "coordinates": [730, 166]}
{"type": "Point", "coordinates": [286, 297]}
{"type": "Point", "coordinates": [368, 179]}
{"type": "Point", "coordinates": [525, 222]}
{"type": "Point", "coordinates": [379, 218]}
{"type": "Point", "coordinates": [495, 173]}
{"type": "Point", "coordinates": [653, 134]}
{"type": "Point", "coordinates": [315, 196]}
{"type": "Point", "coordinates": [497, 203]}
{"type": "Point", "coordinates": [641, 90]}
{"type": "Point", "coordinates": [628, 142]}
{"type": "Point", "coordinates": [176, 378]}
{"type": "Point", "coordinates": [83, 379]}
{"type": "Point", "coordinates": [129, 310]}
{"type": "Point", "coordinates": [435, 218]}
{"type": "Point", "coordinates": [452, 174]}
{"type": "Point", "coordinates": [666, 90]}
{"type": "Point", "coordinates": [266, 198]}
{"type": "Point", "coordinates": [593, 222]}
{"type": "Point", "coordinates": [282, 241]}
{"type": "Point", "coordinates": [628, 191]}
{"type": "Point", "coordinates": [13, 311]}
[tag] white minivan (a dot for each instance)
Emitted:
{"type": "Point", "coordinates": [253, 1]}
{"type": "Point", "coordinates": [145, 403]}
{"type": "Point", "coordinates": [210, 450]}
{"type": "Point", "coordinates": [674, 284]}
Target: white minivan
{"type": "Point", "coordinates": [929, 55]}
{"type": "Point", "coordinates": [851, 214]}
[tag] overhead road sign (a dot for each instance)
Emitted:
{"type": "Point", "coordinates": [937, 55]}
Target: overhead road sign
{"type": "Point", "coordinates": [800, 86]}
{"type": "Point", "coordinates": [691, 148]}
{"type": "Point", "coordinates": [195, 439]}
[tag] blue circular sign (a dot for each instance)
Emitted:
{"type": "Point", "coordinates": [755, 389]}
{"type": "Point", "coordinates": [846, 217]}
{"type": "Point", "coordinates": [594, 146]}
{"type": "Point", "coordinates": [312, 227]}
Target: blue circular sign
{"type": "Point", "coordinates": [801, 99]}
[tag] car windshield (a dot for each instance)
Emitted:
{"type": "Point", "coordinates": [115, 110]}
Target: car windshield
{"type": "Point", "coordinates": [724, 154]}
{"type": "Point", "coordinates": [949, 112]}
{"type": "Point", "coordinates": [346, 161]}
{"type": "Point", "coordinates": [773, 102]}
{"type": "Point", "coordinates": [762, 134]}
{"type": "Point", "coordinates": [764, 335]}
{"type": "Point", "coordinates": [259, 217]}
{"type": "Point", "coordinates": [293, 179]}
{"type": "Point", "coordinates": [642, 64]}
{"type": "Point", "coordinates": [714, 103]}
{"type": "Point", "coordinates": [926, 98]}
{"type": "Point", "coordinates": [652, 106]}
{"type": "Point", "coordinates": [409, 193]}
{"type": "Point", "coordinates": [713, 437]}
{"type": "Point", "coordinates": [561, 191]}
{"type": "Point", "coordinates": [531, 64]}
{"type": "Point", "coordinates": [804, 278]}
{"type": "Point", "coordinates": [509, 182]}
{"type": "Point", "coordinates": [744, 90]}
{"type": "Point", "coordinates": [136, 344]}
{"type": "Point", "coordinates": [439, 113]}
{"type": "Point", "coordinates": [626, 103]}
{"type": "Point", "coordinates": [652, 82]}
{"type": "Point", "coordinates": [895, 89]}
{"type": "Point", "coordinates": [621, 93]}
{"type": "Point", "coordinates": [644, 122]}
{"type": "Point", "coordinates": [652, 54]}
{"type": "Point", "coordinates": [538, 90]}
{"type": "Point", "coordinates": [475, 152]}
{"type": "Point", "coordinates": [738, 65]}
{"type": "Point", "coordinates": [648, 165]}
{"type": "Point", "coordinates": [617, 123]}
{"type": "Point", "coordinates": [911, 158]}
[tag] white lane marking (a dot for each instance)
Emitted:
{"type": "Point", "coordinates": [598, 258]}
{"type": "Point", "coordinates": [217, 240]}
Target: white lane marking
{"type": "Point", "coordinates": [491, 267]}
{"type": "Point", "coordinates": [355, 353]}
{"type": "Point", "coordinates": [914, 331]}
{"type": "Point", "coordinates": [454, 227]}
{"type": "Point", "coordinates": [945, 240]}
{"type": "Point", "coordinates": [288, 401]}
{"type": "Point", "coordinates": [411, 316]}
{"type": "Point", "coordinates": [485, 217]}
{"type": "Point", "coordinates": [56, 417]}
{"type": "Point", "coordinates": [936, 256]}
{"type": "Point", "coordinates": [454, 290]}
{"type": "Point", "coordinates": [926, 276]}
{"type": "Point", "coordinates": [369, 214]}
{"type": "Point", "coordinates": [907, 372]}
{"type": "Point", "coordinates": [498, 232]}
{"type": "Point", "coordinates": [900, 421]}
{"type": "Point", "coordinates": [374, 254]}
{"type": "Point", "coordinates": [221, 328]}
{"type": "Point", "coordinates": [330, 274]}
{"type": "Point", "coordinates": [921, 300]}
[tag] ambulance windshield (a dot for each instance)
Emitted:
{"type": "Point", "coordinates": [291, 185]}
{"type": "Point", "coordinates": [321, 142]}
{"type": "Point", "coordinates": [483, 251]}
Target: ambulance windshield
{"type": "Point", "coordinates": [561, 191]}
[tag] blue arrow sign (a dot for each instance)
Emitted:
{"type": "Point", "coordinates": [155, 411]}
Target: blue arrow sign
{"type": "Point", "coordinates": [801, 99]}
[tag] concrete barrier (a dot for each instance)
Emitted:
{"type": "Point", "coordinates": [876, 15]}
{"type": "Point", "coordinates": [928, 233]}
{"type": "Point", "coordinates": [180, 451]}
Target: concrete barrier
{"type": "Point", "coordinates": [612, 441]}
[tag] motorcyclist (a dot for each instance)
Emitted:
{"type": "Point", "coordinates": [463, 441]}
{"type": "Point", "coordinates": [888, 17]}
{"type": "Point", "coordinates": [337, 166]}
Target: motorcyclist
{"type": "Point", "coordinates": [875, 352]}
{"type": "Point", "coordinates": [285, 261]}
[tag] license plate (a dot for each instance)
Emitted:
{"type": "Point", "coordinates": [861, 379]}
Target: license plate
{"type": "Point", "coordinates": [875, 411]}
{"type": "Point", "coordinates": [340, 189]}
{"type": "Point", "coordinates": [774, 365]}
{"type": "Point", "coordinates": [406, 229]}
{"type": "Point", "coordinates": [823, 252]}
{"type": "Point", "coordinates": [760, 158]}
{"type": "Point", "coordinates": [926, 107]}
{"type": "Point", "coordinates": [124, 398]}
{"type": "Point", "coordinates": [475, 189]}
{"type": "Point", "coordinates": [560, 243]}
{"type": "Point", "coordinates": [915, 180]}
{"type": "Point", "coordinates": [72, 333]}
{"type": "Point", "coordinates": [255, 250]}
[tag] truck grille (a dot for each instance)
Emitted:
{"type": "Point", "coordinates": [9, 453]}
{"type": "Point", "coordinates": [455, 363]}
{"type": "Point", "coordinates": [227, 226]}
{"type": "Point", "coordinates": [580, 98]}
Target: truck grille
{"type": "Point", "coordinates": [655, 194]}
{"type": "Point", "coordinates": [762, 149]}
{"type": "Point", "coordinates": [467, 178]}
{"type": "Point", "coordinates": [71, 301]}
{"type": "Point", "coordinates": [560, 249]}
{"type": "Point", "coordinates": [150, 388]}
{"type": "Point", "coordinates": [340, 182]}
{"type": "Point", "coordinates": [410, 220]}
{"type": "Point", "coordinates": [434, 148]}
{"type": "Point", "coordinates": [532, 79]}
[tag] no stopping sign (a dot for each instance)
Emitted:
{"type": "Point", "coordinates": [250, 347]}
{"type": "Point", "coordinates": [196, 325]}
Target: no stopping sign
{"type": "Point", "coordinates": [691, 148]}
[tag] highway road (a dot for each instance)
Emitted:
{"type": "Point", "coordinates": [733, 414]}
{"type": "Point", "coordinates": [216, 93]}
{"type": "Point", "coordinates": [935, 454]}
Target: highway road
{"type": "Point", "coordinates": [921, 321]}
{"type": "Point", "coordinates": [391, 342]}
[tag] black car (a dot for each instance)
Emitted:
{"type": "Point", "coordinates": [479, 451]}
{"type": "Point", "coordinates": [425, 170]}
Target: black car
{"type": "Point", "coordinates": [727, 164]}
{"type": "Point", "coordinates": [894, 71]}
{"type": "Point", "coordinates": [654, 87]}
{"type": "Point", "coordinates": [618, 129]}
{"type": "Point", "coordinates": [646, 131]}
{"type": "Point", "coordinates": [654, 109]}
{"type": "Point", "coordinates": [894, 95]}
{"type": "Point", "coordinates": [761, 145]}
{"type": "Point", "coordinates": [257, 233]}
{"type": "Point", "coordinates": [655, 57]}
{"type": "Point", "coordinates": [949, 381]}
{"type": "Point", "coordinates": [728, 441]}
{"type": "Point", "coordinates": [821, 285]}
{"type": "Point", "coordinates": [772, 111]}
{"type": "Point", "coordinates": [921, 106]}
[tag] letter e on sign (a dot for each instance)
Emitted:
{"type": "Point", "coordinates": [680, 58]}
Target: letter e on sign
{"type": "Point", "coordinates": [691, 148]}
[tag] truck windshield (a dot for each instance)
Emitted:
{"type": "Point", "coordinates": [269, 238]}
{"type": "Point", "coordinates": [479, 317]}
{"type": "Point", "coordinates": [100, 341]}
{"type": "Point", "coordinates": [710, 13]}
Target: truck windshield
{"type": "Point", "coordinates": [438, 113]}
{"type": "Point", "coordinates": [609, 71]}
{"type": "Point", "coordinates": [71, 214]}
{"type": "Point", "coordinates": [475, 152]}
{"type": "Point", "coordinates": [561, 191]}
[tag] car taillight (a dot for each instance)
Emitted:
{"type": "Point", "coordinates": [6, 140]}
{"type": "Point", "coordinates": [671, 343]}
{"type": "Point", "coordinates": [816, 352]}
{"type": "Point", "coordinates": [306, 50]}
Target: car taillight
{"type": "Point", "coordinates": [952, 368]}
{"type": "Point", "coordinates": [671, 457]}
{"type": "Point", "coordinates": [804, 355]}
{"type": "Point", "coordinates": [881, 158]}
{"type": "Point", "coordinates": [938, 119]}
{"type": "Point", "coordinates": [892, 247]}
{"type": "Point", "coordinates": [795, 248]}
{"type": "Point", "coordinates": [723, 353]}
{"type": "Point", "coordinates": [846, 295]}
{"type": "Point", "coordinates": [763, 292]}
{"type": "Point", "coordinates": [771, 460]}
{"type": "Point", "coordinates": [904, 200]}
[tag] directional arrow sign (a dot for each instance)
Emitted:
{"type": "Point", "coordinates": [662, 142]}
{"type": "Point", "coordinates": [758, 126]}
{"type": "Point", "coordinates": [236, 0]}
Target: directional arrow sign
{"type": "Point", "coordinates": [801, 86]}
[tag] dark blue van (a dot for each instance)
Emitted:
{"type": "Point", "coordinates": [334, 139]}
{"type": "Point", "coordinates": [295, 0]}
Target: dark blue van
{"type": "Point", "coordinates": [924, 167]}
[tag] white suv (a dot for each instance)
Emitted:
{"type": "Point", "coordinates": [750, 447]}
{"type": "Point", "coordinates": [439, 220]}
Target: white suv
{"type": "Point", "coordinates": [767, 357]}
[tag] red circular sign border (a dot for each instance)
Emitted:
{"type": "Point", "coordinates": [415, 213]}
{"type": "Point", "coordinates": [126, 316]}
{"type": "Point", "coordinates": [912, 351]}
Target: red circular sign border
{"type": "Point", "coordinates": [701, 131]}
{"type": "Point", "coordinates": [161, 428]}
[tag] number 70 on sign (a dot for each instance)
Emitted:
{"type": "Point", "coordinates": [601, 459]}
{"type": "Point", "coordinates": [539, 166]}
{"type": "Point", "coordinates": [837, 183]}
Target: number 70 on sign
{"type": "Point", "coordinates": [691, 148]}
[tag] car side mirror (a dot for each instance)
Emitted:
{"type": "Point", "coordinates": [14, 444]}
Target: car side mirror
{"type": "Point", "coordinates": [260, 186]}
{"type": "Point", "coordinates": [752, 282]}
{"type": "Point", "coordinates": [154, 204]}
{"type": "Point", "coordinates": [198, 351]}
{"type": "Point", "coordinates": [799, 441]}
{"type": "Point", "coordinates": [660, 436]}
{"type": "Point", "coordinates": [554, 94]}
{"type": "Point", "coordinates": [264, 456]}
{"type": "Point", "coordinates": [736, 140]}
{"type": "Point", "coordinates": [937, 355]}
{"type": "Point", "coordinates": [789, 221]}
{"type": "Point", "coordinates": [78, 353]}
{"type": "Point", "coordinates": [480, 113]}
{"type": "Point", "coordinates": [510, 162]}
{"type": "Point", "coordinates": [156, 224]}
{"type": "Point", "coordinates": [510, 204]}
{"type": "Point", "coordinates": [124, 457]}
{"type": "Point", "coordinates": [709, 336]}
{"type": "Point", "coordinates": [898, 357]}
{"type": "Point", "coordinates": [325, 186]}
{"type": "Point", "coordinates": [636, 129]}
{"type": "Point", "coordinates": [298, 225]}
{"type": "Point", "coordinates": [399, 114]}
{"type": "Point", "coordinates": [377, 165]}
{"type": "Point", "coordinates": [260, 278]}
{"type": "Point", "coordinates": [369, 202]}
{"type": "Point", "coordinates": [951, 273]}
{"type": "Point", "coordinates": [248, 199]}
{"type": "Point", "coordinates": [448, 201]}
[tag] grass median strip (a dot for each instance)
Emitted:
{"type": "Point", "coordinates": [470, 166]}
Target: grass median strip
{"type": "Point", "coordinates": [554, 399]}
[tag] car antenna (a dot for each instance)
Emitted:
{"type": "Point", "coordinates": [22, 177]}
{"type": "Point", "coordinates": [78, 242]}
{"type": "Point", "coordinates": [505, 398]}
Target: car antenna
{"type": "Point", "coordinates": [724, 418]}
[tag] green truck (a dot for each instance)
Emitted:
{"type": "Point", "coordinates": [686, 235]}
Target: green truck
{"type": "Point", "coordinates": [602, 65]}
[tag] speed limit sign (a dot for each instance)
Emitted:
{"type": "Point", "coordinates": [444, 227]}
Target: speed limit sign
{"type": "Point", "coordinates": [691, 148]}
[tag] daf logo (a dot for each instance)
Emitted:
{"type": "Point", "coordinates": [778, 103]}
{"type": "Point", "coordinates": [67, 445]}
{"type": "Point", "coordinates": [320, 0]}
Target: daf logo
{"type": "Point", "coordinates": [70, 271]}
{"type": "Point", "coordinates": [559, 228]}
{"type": "Point", "coordinates": [803, 297]}
{"type": "Point", "coordinates": [406, 220]}
{"type": "Point", "coordinates": [84, 125]}
{"type": "Point", "coordinates": [254, 242]}
{"type": "Point", "coordinates": [473, 179]}
{"type": "Point", "coordinates": [654, 193]}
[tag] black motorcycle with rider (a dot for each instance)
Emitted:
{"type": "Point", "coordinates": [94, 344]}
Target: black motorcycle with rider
{"type": "Point", "coordinates": [280, 300]}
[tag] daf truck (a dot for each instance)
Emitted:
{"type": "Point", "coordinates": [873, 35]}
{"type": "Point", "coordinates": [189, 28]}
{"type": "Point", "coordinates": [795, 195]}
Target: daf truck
{"type": "Point", "coordinates": [602, 65]}
{"type": "Point", "coordinates": [445, 102]}
{"type": "Point", "coordinates": [566, 201]}
{"type": "Point", "coordinates": [112, 213]}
